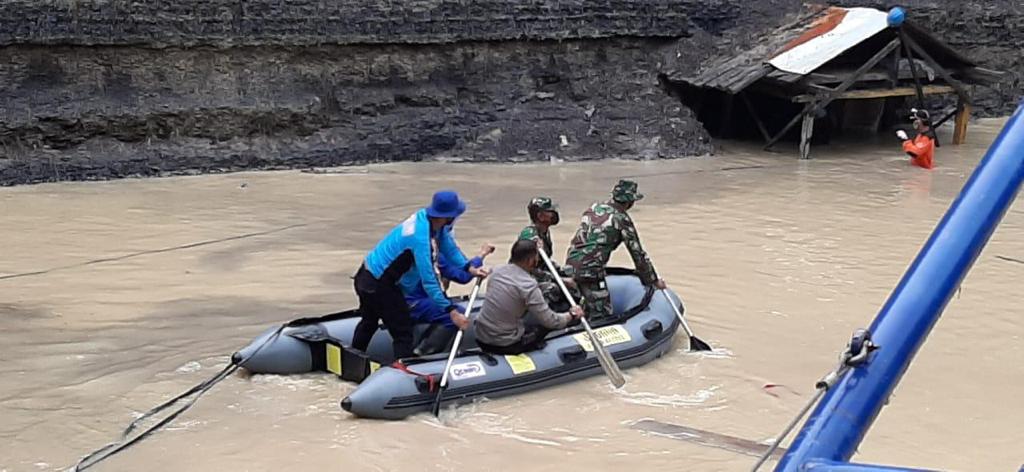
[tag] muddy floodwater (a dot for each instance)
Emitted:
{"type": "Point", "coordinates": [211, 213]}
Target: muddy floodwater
{"type": "Point", "coordinates": [115, 296]}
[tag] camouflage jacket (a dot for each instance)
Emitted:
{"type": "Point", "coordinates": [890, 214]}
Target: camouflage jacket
{"type": "Point", "coordinates": [541, 273]}
{"type": "Point", "coordinates": [531, 232]}
{"type": "Point", "coordinates": [603, 227]}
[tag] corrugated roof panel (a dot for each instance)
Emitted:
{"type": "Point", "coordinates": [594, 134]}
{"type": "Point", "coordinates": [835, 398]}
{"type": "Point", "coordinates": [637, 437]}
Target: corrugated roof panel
{"type": "Point", "coordinates": [824, 22]}
{"type": "Point", "coordinates": [833, 34]}
{"type": "Point", "coordinates": [752, 61]}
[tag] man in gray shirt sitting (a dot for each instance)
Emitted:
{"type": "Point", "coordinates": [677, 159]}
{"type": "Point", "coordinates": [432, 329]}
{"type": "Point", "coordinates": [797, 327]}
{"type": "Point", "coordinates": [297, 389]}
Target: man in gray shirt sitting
{"type": "Point", "coordinates": [515, 317]}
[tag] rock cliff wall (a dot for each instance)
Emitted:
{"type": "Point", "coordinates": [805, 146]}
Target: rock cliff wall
{"type": "Point", "coordinates": [96, 89]}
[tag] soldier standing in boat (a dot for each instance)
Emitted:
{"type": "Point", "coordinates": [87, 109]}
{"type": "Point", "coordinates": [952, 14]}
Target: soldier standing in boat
{"type": "Point", "coordinates": [603, 228]}
{"type": "Point", "coordinates": [543, 213]}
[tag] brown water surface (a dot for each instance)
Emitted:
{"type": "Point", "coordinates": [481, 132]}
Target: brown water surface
{"type": "Point", "coordinates": [115, 296]}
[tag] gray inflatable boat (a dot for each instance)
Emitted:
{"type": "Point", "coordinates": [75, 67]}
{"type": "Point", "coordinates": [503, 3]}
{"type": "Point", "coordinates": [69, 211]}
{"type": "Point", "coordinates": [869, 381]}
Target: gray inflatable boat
{"type": "Point", "coordinates": [394, 390]}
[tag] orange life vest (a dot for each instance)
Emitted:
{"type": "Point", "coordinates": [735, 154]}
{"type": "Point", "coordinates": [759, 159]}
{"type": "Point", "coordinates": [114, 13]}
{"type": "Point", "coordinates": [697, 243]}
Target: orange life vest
{"type": "Point", "coordinates": [921, 150]}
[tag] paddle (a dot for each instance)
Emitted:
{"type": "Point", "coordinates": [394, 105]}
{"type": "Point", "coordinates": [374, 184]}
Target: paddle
{"type": "Point", "coordinates": [611, 369]}
{"type": "Point", "coordinates": [455, 349]}
{"type": "Point", "coordinates": [695, 343]}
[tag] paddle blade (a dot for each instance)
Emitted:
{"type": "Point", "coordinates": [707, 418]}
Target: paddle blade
{"type": "Point", "coordinates": [611, 369]}
{"type": "Point", "coordinates": [436, 409]}
{"type": "Point", "coordinates": [697, 345]}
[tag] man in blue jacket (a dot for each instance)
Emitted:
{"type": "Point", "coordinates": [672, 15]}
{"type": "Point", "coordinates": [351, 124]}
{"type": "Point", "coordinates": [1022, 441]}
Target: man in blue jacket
{"type": "Point", "coordinates": [404, 261]}
{"type": "Point", "coordinates": [441, 331]}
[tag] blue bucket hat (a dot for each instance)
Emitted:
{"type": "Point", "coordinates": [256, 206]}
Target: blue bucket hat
{"type": "Point", "coordinates": [446, 204]}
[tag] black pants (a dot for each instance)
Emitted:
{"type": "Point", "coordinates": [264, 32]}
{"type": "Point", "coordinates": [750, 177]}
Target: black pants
{"type": "Point", "coordinates": [382, 300]}
{"type": "Point", "coordinates": [532, 340]}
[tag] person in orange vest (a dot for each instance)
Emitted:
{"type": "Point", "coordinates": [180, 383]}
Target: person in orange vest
{"type": "Point", "coordinates": [921, 149]}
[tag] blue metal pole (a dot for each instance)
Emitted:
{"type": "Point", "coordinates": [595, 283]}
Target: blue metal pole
{"type": "Point", "coordinates": [848, 409]}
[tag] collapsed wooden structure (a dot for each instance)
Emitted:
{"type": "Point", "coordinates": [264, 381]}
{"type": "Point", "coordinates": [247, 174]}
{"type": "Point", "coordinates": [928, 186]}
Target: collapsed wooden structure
{"type": "Point", "coordinates": [817, 66]}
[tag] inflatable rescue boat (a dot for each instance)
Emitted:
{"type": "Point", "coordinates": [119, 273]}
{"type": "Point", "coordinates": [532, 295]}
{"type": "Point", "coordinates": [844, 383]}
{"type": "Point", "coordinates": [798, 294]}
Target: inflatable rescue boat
{"type": "Point", "coordinates": [391, 389]}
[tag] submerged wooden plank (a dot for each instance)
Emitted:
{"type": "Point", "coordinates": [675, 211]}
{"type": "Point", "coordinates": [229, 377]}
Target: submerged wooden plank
{"type": "Point", "coordinates": [805, 136]}
{"type": "Point", "coordinates": [706, 438]}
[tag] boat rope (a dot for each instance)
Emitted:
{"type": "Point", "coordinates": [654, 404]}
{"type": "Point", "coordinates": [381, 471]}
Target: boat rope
{"type": "Point", "coordinates": [855, 354]}
{"type": "Point", "coordinates": [431, 379]}
{"type": "Point", "coordinates": [195, 392]}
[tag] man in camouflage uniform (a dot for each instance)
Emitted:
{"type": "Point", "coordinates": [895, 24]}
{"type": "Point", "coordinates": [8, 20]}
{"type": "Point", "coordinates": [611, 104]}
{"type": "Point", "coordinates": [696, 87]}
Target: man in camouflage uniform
{"type": "Point", "coordinates": [603, 227]}
{"type": "Point", "coordinates": [543, 215]}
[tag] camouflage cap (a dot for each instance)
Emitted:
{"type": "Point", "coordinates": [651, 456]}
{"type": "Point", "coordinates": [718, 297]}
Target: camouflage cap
{"type": "Point", "coordinates": [625, 192]}
{"type": "Point", "coordinates": [542, 204]}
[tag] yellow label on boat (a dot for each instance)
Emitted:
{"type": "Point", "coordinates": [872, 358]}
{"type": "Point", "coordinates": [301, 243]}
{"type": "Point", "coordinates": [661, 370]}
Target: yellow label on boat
{"type": "Point", "coordinates": [520, 364]}
{"type": "Point", "coordinates": [374, 366]}
{"type": "Point", "coordinates": [608, 335]}
{"type": "Point", "coordinates": [334, 359]}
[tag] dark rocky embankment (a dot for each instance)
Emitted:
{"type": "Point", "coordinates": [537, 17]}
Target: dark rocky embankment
{"type": "Point", "coordinates": [142, 111]}
{"type": "Point", "coordinates": [98, 89]}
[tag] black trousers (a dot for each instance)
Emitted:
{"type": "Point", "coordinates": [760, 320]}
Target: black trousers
{"type": "Point", "coordinates": [382, 300]}
{"type": "Point", "coordinates": [532, 340]}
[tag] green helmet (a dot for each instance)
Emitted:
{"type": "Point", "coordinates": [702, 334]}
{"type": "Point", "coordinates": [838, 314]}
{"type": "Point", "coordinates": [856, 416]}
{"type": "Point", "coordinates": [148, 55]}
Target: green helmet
{"type": "Point", "coordinates": [539, 204]}
{"type": "Point", "coordinates": [625, 192]}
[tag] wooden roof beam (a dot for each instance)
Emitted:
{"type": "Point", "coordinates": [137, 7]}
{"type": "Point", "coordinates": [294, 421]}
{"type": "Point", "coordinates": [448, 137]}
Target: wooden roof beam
{"type": "Point", "coordinates": [838, 77]}
{"type": "Point", "coordinates": [913, 68]}
{"type": "Point", "coordinates": [813, 106]}
{"type": "Point", "coordinates": [880, 93]}
{"type": "Point", "coordinates": [753, 114]}
{"type": "Point", "coordinates": [835, 77]}
{"type": "Point", "coordinates": [961, 89]}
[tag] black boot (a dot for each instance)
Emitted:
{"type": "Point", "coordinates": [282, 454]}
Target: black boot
{"type": "Point", "coordinates": [436, 339]}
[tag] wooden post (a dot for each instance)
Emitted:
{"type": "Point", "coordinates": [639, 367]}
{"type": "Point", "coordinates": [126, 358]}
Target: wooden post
{"type": "Point", "coordinates": [963, 104]}
{"type": "Point", "coordinates": [894, 72]}
{"type": "Point", "coordinates": [907, 44]}
{"type": "Point", "coordinates": [913, 69]}
{"type": "Point", "coordinates": [841, 117]}
{"type": "Point", "coordinates": [805, 136]}
{"type": "Point", "coordinates": [812, 108]}
{"type": "Point", "coordinates": [753, 114]}
{"type": "Point", "coordinates": [963, 112]}
{"type": "Point", "coordinates": [726, 124]}
{"type": "Point", "coordinates": [785, 129]}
